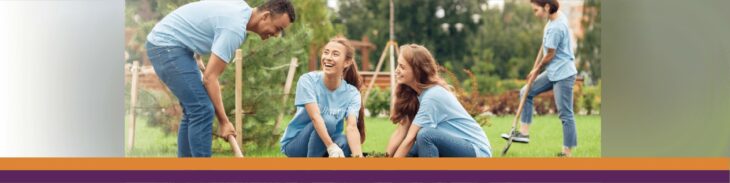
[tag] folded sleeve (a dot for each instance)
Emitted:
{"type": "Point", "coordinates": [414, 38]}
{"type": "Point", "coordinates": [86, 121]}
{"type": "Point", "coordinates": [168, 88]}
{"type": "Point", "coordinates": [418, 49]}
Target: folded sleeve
{"type": "Point", "coordinates": [305, 92]}
{"type": "Point", "coordinates": [426, 115]}
{"type": "Point", "coordinates": [353, 109]}
{"type": "Point", "coordinates": [225, 43]}
{"type": "Point", "coordinates": [552, 38]}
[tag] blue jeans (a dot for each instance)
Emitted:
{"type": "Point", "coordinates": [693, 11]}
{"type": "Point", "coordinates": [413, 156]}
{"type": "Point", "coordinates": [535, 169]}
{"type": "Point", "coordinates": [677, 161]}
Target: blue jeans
{"type": "Point", "coordinates": [176, 68]}
{"type": "Point", "coordinates": [563, 91]}
{"type": "Point", "coordinates": [308, 144]}
{"type": "Point", "coordinates": [430, 142]}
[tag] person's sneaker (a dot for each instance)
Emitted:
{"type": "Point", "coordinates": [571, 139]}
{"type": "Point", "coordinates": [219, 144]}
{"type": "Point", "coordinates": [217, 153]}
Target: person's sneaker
{"type": "Point", "coordinates": [562, 155]}
{"type": "Point", "coordinates": [517, 137]}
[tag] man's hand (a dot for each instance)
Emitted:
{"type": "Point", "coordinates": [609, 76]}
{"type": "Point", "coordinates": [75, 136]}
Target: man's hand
{"type": "Point", "coordinates": [226, 129]}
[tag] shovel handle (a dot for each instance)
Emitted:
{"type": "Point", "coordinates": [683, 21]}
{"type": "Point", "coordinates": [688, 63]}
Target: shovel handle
{"type": "Point", "coordinates": [234, 145]}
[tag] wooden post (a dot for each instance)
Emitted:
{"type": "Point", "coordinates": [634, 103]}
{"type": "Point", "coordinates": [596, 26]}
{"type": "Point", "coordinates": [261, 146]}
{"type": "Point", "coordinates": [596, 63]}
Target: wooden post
{"type": "Point", "coordinates": [238, 99]}
{"type": "Point", "coordinates": [375, 73]}
{"type": "Point", "coordinates": [391, 49]}
{"type": "Point", "coordinates": [133, 105]}
{"type": "Point", "coordinates": [365, 52]}
{"type": "Point", "coordinates": [392, 10]}
{"type": "Point", "coordinates": [287, 87]}
{"type": "Point", "coordinates": [392, 57]}
{"type": "Point", "coordinates": [313, 57]}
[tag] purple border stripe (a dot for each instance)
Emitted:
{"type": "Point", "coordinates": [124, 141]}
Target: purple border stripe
{"type": "Point", "coordinates": [369, 175]}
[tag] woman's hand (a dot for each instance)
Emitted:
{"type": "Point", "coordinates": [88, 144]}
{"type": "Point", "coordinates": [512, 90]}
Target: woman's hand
{"type": "Point", "coordinates": [334, 151]}
{"type": "Point", "coordinates": [534, 73]}
{"type": "Point", "coordinates": [396, 138]}
{"type": "Point", "coordinates": [408, 142]}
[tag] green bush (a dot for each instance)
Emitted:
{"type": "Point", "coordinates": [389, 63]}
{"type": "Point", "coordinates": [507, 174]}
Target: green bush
{"type": "Point", "coordinates": [591, 98]}
{"type": "Point", "coordinates": [379, 102]}
{"type": "Point", "coordinates": [511, 85]}
{"type": "Point", "coordinates": [158, 107]}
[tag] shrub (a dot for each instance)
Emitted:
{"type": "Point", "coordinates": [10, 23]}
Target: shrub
{"type": "Point", "coordinates": [379, 102]}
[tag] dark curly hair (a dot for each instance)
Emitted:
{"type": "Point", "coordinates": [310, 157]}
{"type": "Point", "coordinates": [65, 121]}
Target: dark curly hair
{"type": "Point", "coordinates": [278, 7]}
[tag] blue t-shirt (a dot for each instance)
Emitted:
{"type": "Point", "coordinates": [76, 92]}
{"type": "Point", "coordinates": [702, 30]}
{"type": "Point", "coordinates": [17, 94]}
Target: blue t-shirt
{"type": "Point", "coordinates": [439, 109]}
{"type": "Point", "coordinates": [334, 106]}
{"type": "Point", "coordinates": [205, 26]}
{"type": "Point", "coordinates": [557, 36]}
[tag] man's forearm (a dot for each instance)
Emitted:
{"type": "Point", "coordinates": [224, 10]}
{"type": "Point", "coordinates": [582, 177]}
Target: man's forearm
{"type": "Point", "coordinates": [213, 87]}
{"type": "Point", "coordinates": [210, 79]}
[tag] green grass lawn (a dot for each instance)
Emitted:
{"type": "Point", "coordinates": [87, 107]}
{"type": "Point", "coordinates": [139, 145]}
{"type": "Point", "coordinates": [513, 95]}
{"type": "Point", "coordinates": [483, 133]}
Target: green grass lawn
{"type": "Point", "coordinates": [545, 139]}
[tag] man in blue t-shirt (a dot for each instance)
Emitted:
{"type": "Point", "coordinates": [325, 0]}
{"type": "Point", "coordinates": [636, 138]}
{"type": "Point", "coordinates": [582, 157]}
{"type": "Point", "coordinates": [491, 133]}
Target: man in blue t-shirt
{"type": "Point", "coordinates": [217, 28]}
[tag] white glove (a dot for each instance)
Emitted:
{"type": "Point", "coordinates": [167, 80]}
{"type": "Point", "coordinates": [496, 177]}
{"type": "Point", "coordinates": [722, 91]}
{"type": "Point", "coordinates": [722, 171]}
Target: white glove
{"type": "Point", "coordinates": [334, 151]}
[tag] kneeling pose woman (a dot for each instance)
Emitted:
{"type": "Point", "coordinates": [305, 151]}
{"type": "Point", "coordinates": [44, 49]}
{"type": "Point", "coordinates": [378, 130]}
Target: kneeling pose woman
{"type": "Point", "coordinates": [430, 120]}
{"type": "Point", "coordinates": [328, 102]}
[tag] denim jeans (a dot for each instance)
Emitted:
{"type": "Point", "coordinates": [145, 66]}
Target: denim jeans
{"type": "Point", "coordinates": [430, 142]}
{"type": "Point", "coordinates": [308, 144]}
{"type": "Point", "coordinates": [563, 91]}
{"type": "Point", "coordinates": [176, 68]}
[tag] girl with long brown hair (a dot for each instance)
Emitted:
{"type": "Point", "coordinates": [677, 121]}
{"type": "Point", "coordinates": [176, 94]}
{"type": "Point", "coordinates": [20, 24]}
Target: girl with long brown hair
{"type": "Point", "coordinates": [431, 121]}
{"type": "Point", "coordinates": [557, 60]}
{"type": "Point", "coordinates": [328, 103]}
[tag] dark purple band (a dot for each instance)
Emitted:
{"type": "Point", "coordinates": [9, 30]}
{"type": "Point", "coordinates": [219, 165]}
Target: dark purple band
{"type": "Point", "coordinates": [369, 176]}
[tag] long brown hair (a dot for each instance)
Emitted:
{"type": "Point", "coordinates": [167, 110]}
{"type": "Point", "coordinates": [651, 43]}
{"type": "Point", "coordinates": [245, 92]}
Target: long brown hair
{"type": "Point", "coordinates": [352, 77]}
{"type": "Point", "coordinates": [425, 71]}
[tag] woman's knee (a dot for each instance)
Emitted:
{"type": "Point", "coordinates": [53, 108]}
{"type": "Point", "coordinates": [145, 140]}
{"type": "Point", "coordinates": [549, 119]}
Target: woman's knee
{"type": "Point", "coordinates": [331, 127]}
{"type": "Point", "coordinates": [342, 142]}
{"type": "Point", "coordinates": [523, 91]}
{"type": "Point", "coordinates": [424, 134]}
{"type": "Point", "coordinates": [566, 115]}
{"type": "Point", "coordinates": [292, 152]}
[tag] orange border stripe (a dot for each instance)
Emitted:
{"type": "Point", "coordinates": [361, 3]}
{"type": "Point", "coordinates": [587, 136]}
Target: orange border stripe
{"type": "Point", "coordinates": [365, 164]}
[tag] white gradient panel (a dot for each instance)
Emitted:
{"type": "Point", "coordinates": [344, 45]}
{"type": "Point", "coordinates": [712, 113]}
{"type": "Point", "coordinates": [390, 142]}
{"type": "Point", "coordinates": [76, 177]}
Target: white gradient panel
{"type": "Point", "coordinates": [62, 85]}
